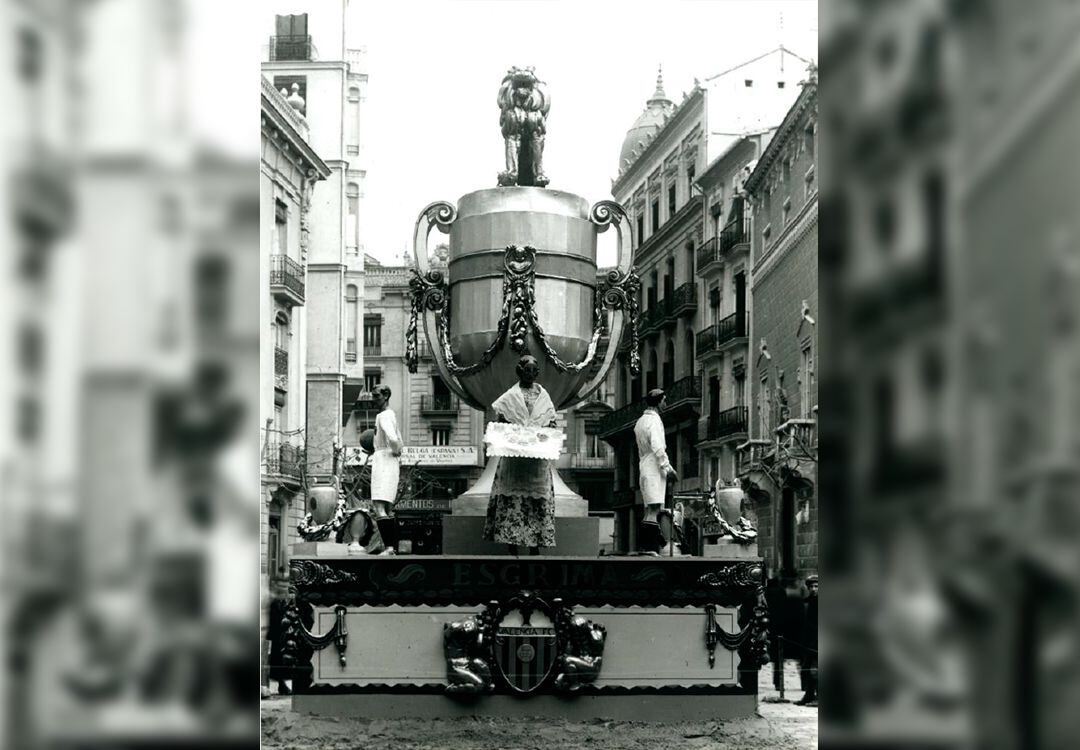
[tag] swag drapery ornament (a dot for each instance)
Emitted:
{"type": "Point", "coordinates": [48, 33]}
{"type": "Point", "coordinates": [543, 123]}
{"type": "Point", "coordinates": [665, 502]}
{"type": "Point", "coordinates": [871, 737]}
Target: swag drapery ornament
{"type": "Point", "coordinates": [618, 291]}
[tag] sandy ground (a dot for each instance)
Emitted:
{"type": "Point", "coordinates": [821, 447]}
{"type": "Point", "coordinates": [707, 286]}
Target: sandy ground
{"type": "Point", "coordinates": [778, 726]}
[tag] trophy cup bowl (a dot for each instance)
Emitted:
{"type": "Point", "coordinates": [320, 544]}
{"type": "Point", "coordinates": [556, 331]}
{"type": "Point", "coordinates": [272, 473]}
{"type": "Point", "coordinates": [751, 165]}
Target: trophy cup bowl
{"type": "Point", "coordinates": [522, 279]}
{"type": "Point", "coordinates": [557, 225]}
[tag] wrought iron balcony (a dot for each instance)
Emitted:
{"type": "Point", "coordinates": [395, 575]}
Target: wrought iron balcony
{"type": "Point", "coordinates": [373, 351]}
{"type": "Point", "coordinates": [683, 391]}
{"type": "Point", "coordinates": [797, 439]}
{"type": "Point", "coordinates": [730, 328]}
{"type": "Point", "coordinates": [652, 320]}
{"type": "Point", "coordinates": [440, 405]}
{"type": "Point", "coordinates": [580, 460]}
{"type": "Point", "coordinates": [281, 368]}
{"type": "Point", "coordinates": [752, 456]}
{"type": "Point", "coordinates": [683, 301]}
{"type": "Point", "coordinates": [620, 419]}
{"type": "Point", "coordinates": [284, 460]}
{"type": "Point", "coordinates": [728, 423]}
{"type": "Point", "coordinates": [706, 342]}
{"type": "Point", "coordinates": [708, 254]}
{"type": "Point", "coordinates": [735, 233]}
{"type": "Point", "coordinates": [292, 47]}
{"type": "Point", "coordinates": [287, 280]}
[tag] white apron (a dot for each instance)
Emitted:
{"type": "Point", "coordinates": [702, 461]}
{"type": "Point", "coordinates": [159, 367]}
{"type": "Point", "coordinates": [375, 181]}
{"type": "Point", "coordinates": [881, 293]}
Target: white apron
{"type": "Point", "coordinates": [385, 468]}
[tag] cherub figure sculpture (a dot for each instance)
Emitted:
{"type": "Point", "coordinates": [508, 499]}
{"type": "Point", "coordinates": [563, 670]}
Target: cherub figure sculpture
{"type": "Point", "coordinates": [467, 654]}
{"type": "Point", "coordinates": [523, 104]}
{"type": "Point", "coordinates": [581, 661]}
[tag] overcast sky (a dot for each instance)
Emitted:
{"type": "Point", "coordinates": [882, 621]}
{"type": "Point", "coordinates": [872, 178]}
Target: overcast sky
{"type": "Point", "coordinates": [435, 68]}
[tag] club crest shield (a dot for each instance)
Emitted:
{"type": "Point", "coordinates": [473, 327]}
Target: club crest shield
{"type": "Point", "coordinates": [525, 648]}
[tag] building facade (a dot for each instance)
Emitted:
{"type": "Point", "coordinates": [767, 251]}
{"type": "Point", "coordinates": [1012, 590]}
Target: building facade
{"type": "Point", "coordinates": [722, 350]}
{"type": "Point", "coordinates": [663, 155]}
{"type": "Point", "coordinates": [288, 172]}
{"type": "Point", "coordinates": [309, 58]}
{"type": "Point", "coordinates": [779, 462]}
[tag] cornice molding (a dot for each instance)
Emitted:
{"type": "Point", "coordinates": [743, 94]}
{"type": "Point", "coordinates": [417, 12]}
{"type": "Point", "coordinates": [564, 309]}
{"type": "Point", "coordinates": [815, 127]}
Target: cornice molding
{"type": "Point", "coordinates": [779, 141]}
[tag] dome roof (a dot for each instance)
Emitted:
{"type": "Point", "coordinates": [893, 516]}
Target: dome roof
{"type": "Point", "coordinates": [648, 123]}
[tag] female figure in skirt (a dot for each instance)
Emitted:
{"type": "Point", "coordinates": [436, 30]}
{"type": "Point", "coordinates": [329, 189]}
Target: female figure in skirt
{"type": "Point", "coordinates": [385, 469]}
{"type": "Point", "coordinates": [521, 511]}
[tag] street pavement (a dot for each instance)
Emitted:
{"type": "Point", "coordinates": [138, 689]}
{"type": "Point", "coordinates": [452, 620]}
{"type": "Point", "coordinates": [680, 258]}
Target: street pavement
{"type": "Point", "coordinates": [778, 726]}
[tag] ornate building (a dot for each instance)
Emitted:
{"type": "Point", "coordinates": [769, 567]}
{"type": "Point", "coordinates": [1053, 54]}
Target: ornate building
{"type": "Point", "coordinates": [288, 172]}
{"type": "Point", "coordinates": [664, 153]}
{"type": "Point", "coordinates": [308, 58]}
{"type": "Point", "coordinates": [779, 462]}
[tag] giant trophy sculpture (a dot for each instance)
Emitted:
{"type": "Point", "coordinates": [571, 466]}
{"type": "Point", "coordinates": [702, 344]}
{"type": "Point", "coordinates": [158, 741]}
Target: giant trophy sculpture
{"type": "Point", "coordinates": [522, 280]}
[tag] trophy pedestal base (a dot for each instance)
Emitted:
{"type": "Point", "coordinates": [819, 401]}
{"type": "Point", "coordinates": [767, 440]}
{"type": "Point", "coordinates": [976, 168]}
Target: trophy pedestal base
{"type": "Point", "coordinates": [574, 537]}
{"type": "Point", "coordinates": [728, 548]}
{"type": "Point", "coordinates": [474, 502]}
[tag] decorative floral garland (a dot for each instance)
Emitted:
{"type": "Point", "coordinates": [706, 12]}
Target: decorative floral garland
{"type": "Point", "coordinates": [431, 292]}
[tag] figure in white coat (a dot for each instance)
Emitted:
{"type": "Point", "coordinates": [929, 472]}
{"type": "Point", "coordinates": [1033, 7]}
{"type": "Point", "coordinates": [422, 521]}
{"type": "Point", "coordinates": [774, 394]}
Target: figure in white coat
{"type": "Point", "coordinates": [654, 469]}
{"type": "Point", "coordinates": [385, 468]}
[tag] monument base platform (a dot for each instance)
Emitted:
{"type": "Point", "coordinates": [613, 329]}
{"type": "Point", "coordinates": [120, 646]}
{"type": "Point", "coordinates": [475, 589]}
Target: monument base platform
{"type": "Point", "coordinates": [574, 536]}
{"type": "Point", "coordinates": [583, 637]}
{"type": "Point", "coordinates": [624, 707]}
{"type": "Point", "coordinates": [730, 549]}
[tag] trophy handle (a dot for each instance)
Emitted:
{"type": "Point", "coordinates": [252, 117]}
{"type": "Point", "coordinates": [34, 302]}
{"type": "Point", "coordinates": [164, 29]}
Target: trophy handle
{"type": "Point", "coordinates": [603, 215]}
{"type": "Point", "coordinates": [438, 214]}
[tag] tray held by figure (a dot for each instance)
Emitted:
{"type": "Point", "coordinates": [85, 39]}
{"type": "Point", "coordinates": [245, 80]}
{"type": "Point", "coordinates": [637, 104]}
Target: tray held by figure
{"type": "Point", "coordinates": [517, 441]}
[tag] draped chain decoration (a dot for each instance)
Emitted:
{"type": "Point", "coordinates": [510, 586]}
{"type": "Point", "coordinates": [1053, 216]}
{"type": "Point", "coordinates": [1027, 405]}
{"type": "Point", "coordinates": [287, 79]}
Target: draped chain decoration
{"type": "Point", "coordinates": [429, 291]}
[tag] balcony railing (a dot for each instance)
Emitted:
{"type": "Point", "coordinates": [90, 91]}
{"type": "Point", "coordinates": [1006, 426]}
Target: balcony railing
{"type": "Point", "coordinates": [583, 461]}
{"type": "Point", "coordinates": [706, 341]}
{"type": "Point", "coordinates": [287, 279]}
{"type": "Point", "coordinates": [283, 459]}
{"type": "Point", "coordinates": [621, 418]}
{"type": "Point", "coordinates": [292, 47]}
{"type": "Point", "coordinates": [684, 390]}
{"type": "Point", "coordinates": [731, 327]}
{"type": "Point", "coordinates": [683, 301]}
{"type": "Point", "coordinates": [708, 253]}
{"type": "Point", "coordinates": [373, 351]}
{"type": "Point", "coordinates": [729, 422]}
{"type": "Point", "coordinates": [797, 439]}
{"type": "Point", "coordinates": [652, 319]}
{"type": "Point", "coordinates": [281, 367]}
{"type": "Point", "coordinates": [751, 455]}
{"type": "Point", "coordinates": [440, 404]}
{"type": "Point", "coordinates": [736, 232]}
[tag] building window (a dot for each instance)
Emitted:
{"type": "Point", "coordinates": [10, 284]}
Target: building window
{"type": "Point", "coordinates": [352, 312]}
{"type": "Point", "coordinates": [281, 227]}
{"type": "Point", "coordinates": [352, 222]}
{"type": "Point", "coordinates": [440, 435]}
{"type": "Point", "coordinates": [690, 175]}
{"type": "Point", "coordinates": [779, 84]}
{"type": "Point", "coordinates": [671, 200]}
{"type": "Point", "coordinates": [372, 335]}
{"type": "Point", "coordinates": [274, 563]}
{"type": "Point", "coordinates": [212, 291]}
{"type": "Point", "coordinates": [786, 172]}
{"type": "Point", "coordinates": [372, 379]}
{"type": "Point", "coordinates": [31, 349]}
{"type": "Point", "coordinates": [808, 139]}
{"type": "Point", "coordinates": [748, 83]}
{"type": "Point", "coordinates": [640, 229]}
{"type": "Point", "coordinates": [285, 84]}
{"type": "Point", "coordinates": [30, 55]}
{"type": "Point", "coordinates": [655, 215]}
{"type": "Point", "coordinates": [764, 407]}
{"type": "Point", "coordinates": [29, 419]}
{"type": "Point", "coordinates": [806, 367]}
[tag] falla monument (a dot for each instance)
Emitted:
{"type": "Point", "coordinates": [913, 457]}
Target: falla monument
{"type": "Point", "coordinates": [566, 634]}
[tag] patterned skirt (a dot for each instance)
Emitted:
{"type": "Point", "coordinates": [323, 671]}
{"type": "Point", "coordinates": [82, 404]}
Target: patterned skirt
{"type": "Point", "coordinates": [522, 505]}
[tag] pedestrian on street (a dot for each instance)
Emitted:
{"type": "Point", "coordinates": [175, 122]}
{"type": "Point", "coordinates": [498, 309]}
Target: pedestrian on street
{"type": "Point", "coordinates": [275, 634]}
{"type": "Point", "coordinates": [809, 663]}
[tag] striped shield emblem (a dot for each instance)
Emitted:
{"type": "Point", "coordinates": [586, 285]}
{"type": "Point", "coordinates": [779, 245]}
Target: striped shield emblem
{"type": "Point", "coordinates": [524, 654]}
